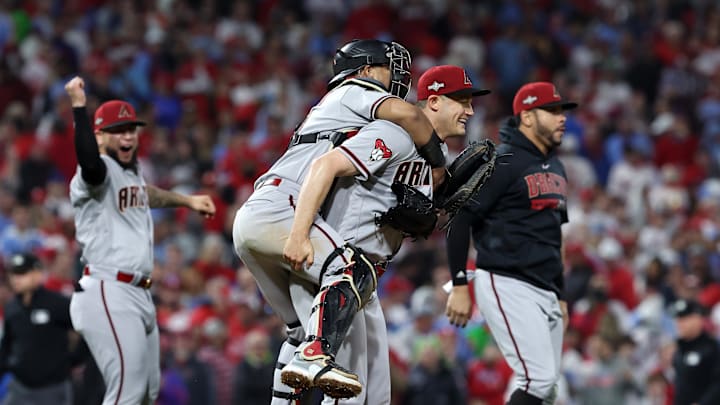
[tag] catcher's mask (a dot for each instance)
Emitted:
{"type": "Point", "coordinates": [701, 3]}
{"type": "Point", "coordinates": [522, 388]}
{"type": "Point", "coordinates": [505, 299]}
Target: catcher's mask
{"type": "Point", "coordinates": [362, 52]}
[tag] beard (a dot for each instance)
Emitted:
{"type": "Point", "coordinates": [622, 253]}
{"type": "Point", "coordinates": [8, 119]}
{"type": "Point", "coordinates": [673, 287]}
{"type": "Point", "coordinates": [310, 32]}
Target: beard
{"type": "Point", "coordinates": [132, 164]}
{"type": "Point", "coordinates": [546, 134]}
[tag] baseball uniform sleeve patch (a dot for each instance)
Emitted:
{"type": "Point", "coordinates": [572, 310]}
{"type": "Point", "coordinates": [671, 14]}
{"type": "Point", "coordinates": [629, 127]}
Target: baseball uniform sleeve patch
{"type": "Point", "coordinates": [381, 151]}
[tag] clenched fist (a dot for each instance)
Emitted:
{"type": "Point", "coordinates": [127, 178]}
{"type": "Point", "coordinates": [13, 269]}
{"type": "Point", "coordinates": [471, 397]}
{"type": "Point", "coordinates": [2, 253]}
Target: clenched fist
{"type": "Point", "coordinates": [75, 88]}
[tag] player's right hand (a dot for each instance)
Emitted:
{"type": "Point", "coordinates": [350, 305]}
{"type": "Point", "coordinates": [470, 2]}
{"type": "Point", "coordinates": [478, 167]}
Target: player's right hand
{"type": "Point", "coordinates": [459, 305]}
{"type": "Point", "coordinates": [298, 251]}
{"type": "Point", "coordinates": [75, 88]}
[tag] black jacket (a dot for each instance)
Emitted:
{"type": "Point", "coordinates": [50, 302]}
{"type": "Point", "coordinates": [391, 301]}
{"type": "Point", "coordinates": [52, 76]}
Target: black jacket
{"type": "Point", "coordinates": [35, 343]}
{"type": "Point", "coordinates": [516, 216]}
{"type": "Point", "coordinates": [697, 371]}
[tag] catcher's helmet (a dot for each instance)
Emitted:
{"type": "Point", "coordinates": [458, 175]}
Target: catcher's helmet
{"type": "Point", "coordinates": [362, 52]}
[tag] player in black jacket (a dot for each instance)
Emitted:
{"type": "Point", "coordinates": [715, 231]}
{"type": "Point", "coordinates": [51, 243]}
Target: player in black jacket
{"type": "Point", "coordinates": [515, 221]}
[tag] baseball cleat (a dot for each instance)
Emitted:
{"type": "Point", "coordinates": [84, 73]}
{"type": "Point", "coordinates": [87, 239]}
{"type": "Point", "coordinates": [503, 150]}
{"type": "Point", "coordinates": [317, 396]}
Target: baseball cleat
{"type": "Point", "coordinates": [310, 367]}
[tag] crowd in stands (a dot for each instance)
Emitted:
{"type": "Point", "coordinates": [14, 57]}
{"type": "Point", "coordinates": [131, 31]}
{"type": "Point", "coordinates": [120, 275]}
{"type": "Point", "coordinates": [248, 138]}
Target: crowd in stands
{"type": "Point", "coordinates": [222, 84]}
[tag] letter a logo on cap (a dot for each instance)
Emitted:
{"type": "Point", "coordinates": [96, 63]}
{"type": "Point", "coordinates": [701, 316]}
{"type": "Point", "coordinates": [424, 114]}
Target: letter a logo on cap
{"type": "Point", "coordinates": [124, 113]}
{"type": "Point", "coordinates": [467, 79]}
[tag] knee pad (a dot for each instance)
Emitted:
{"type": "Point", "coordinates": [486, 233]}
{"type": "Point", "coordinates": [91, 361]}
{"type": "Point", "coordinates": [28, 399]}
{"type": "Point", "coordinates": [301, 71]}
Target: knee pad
{"type": "Point", "coordinates": [360, 271]}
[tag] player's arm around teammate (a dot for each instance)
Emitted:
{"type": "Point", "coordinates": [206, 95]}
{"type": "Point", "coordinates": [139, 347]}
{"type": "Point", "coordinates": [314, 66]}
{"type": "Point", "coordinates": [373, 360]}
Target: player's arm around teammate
{"type": "Point", "coordinates": [298, 249]}
{"type": "Point", "coordinates": [358, 58]}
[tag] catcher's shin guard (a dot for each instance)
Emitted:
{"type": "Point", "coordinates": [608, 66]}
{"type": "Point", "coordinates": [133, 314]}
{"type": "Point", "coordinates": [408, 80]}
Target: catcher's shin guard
{"type": "Point", "coordinates": [332, 314]}
{"type": "Point", "coordinates": [338, 301]}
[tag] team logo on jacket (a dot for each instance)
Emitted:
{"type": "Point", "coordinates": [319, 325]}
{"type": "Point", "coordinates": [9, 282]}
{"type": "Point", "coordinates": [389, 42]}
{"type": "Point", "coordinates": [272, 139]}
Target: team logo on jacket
{"type": "Point", "coordinates": [546, 191]}
{"type": "Point", "coordinates": [381, 151]}
{"type": "Point", "coordinates": [692, 359]}
{"type": "Point", "coordinates": [40, 316]}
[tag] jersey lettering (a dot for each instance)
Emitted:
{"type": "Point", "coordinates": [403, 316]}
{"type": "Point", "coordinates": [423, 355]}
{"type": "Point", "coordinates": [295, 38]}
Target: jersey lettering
{"type": "Point", "coordinates": [545, 183]}
{"type": "Point", "coordinates": [413, 173]}
{"type": "Point", "coordinates": [131, 197]}
{"type": "Point", "coordinates": [546, 191]}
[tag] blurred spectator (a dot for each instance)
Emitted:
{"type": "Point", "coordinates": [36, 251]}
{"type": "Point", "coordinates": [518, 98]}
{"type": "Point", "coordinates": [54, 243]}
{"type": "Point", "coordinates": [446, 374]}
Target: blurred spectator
{"type": "Point", "coordinates": [604, 378]}
{"type": "Point", "coordinates": [214, 334]}
{"type": "Point", "coordinates": [430, 381]}
{"type": "Point", "coordinates": [21, 236]}
{"type": "Point", "coordinates": [210, 261]}
{"type": "Point", "coordinates": [254, 374]}
{"type": "Point", "coordinates": [597, 314]}
{"type": "Point", "coordinates": [621, 282]}
{"type": "Point", "coordinates": [197, 376]}
{"type": "Point", "coordinates": [697, 360]}
{"type": "Point", "coordinates": [677, 145]}
{"type": "Point", "coordinates": [488, 378]}
{"type": "Point", "coordinates": [423, 310]}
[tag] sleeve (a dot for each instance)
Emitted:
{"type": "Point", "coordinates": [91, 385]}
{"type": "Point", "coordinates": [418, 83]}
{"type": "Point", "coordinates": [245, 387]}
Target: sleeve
{"type": "Point", "coordinates": [5, 344]}
{"type": "Point", "coordinates": [63, 315]}
{"type": "Point", "coordinates": [459, 232]}
{"type": "Point", "coordinates": [93, 169]}
{"type": "Point", "coordinates": [712, 394]}
{"type": "Point", "coordinates": [364, 101]}
{"type": "Point", "coordinates": [376, 146]}
{"type": "Point", "coordinates": [458, 240]}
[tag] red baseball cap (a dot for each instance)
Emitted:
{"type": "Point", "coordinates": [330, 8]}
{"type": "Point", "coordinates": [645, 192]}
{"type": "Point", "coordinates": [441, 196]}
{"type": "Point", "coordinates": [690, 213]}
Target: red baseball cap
{"type": "Point", "coordinates": [539, 95]}
{"type": "Point", "coordinates": [114, 114]}
{"type": "Point", "coordinates": [446, 80]}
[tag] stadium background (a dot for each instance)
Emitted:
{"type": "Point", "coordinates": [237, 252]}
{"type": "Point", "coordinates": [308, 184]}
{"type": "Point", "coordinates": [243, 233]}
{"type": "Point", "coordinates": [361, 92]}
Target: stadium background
{"type": "Point", "coordinates": [223, 84]}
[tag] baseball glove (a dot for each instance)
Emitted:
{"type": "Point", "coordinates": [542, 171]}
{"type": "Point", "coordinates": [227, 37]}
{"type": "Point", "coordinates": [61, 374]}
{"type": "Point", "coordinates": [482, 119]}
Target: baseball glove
{"type": "Point", "coordinates": [466, 174]}
{"type": "Point", "coordinates": [413, 215]}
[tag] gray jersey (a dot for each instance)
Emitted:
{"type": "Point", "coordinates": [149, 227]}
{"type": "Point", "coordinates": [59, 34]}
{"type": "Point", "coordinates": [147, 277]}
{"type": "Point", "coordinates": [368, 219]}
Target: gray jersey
{"type": "Point", "coordinates": [113, 221]}
{"type": "Point", "coordinates": [383, 153]}
{"type": "Point", "coordinates": [346, 108]}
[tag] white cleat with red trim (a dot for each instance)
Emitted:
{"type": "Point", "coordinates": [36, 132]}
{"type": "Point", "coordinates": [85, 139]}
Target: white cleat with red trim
{"type": "Point", "coordinates": [310, 367]}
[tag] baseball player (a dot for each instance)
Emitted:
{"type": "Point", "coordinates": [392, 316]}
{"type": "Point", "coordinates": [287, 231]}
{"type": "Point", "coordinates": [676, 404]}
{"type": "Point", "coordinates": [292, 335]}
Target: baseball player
{"type": "Point", "coordinates": [515, 224]}
{"type": "Point", "coordinates": [371, 80]}
{"type": "Point", "coordinates": [112, 307]}
{"type": "Point", "coordinates": [363, 169]}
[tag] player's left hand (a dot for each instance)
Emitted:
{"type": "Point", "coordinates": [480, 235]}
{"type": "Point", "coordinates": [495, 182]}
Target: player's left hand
{"type": "Point", "coordinates": [459, 306]}
{"type": "Point", "coordinates": [202, 204]}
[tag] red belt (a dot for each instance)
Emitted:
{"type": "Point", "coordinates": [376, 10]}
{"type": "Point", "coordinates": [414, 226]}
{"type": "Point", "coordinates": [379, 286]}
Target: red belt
{"type": "Point", "coordinates": [143, 282]}
{"type": "Point", "coordinates": [272, 182]}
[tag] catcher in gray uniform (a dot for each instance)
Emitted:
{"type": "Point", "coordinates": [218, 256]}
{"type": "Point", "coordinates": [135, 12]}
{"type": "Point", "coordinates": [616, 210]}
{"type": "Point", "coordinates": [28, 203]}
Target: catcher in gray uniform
{"type": "Point", "coordinates": [365, 178]}
{"type": "Point", "coordinates": [371, 80]}
{"type": "Point", "coordinates": [112, 307]}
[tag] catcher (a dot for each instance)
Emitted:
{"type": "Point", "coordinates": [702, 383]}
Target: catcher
{"type": "Point", "coordinates": [376, 189]}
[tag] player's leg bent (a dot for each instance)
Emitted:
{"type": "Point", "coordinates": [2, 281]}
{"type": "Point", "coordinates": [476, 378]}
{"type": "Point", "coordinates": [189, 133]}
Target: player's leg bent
{"type": "Point", "coordinates": [526, 327]}
{"type": "Point", "coordinates": [283, 394]}
{"type": "Point", "coordinates": [344, 292]}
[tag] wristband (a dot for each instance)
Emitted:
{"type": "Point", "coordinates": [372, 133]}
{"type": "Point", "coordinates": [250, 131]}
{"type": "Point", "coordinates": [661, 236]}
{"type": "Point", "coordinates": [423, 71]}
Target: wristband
{"type": "Point", "coordinates": [432, 152]}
